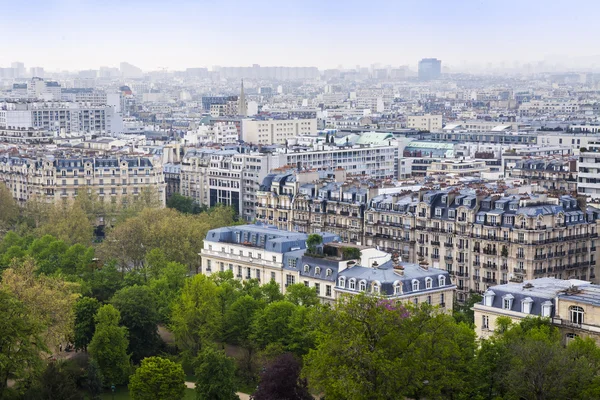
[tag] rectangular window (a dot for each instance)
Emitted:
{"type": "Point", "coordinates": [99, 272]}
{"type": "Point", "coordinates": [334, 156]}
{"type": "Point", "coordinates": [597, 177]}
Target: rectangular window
{"type": "Point", "coordinates": [485, 322]}
{"type": "Point", "coordinates": [290, 280]}
{"type": "Point", "coordinates": [272, 276]}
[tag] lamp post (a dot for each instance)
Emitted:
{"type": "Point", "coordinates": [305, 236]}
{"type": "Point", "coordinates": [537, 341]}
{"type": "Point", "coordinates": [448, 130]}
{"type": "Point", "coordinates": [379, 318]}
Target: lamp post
{"type": "Point", "coordinates": [112, 389]}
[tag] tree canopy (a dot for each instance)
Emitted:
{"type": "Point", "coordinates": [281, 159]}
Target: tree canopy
{"type": "Point", "coordinates": [157, 379]}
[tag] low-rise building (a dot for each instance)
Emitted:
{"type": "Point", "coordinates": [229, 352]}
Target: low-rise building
{"type": "Point", "coordinates": [571, 305]}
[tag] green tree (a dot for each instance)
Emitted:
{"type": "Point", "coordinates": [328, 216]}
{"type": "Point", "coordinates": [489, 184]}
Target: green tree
{"type": "Point", "coordinates": [313, 240]}
{"type": "Point", "coordinates": [215, 376]}
{"type": "Point", "coordinates": [69, 223]}
{"type": "Point", "coordinates": [109, 346]}
{"type": "Point", "coordinates": [20, 342]}
{"type": "Point", "coordinates": [94, 380]}
{"type": "Point", "coordinates": [464, 312]}
{"type": "Point", "coordinates": [271, 292]}
{"type": "Point", "coordinates": [85, 323]}
{"type": "Point", "coordinates": [373, 349]}
{"type": "Point", "coordinates": [196, 317]}
{"type": "Point", "coordinates": [350, 253]}
{"type": "Point", "coordinates": [183, 204]}
{"type": "Point", "coordinates": [301, 295]}
{"type": "Point", "coordinates": [167, 288]}
{"type": "Point", "coordinates": [58, 381]}
{"type": "Point", "coordinates": [139, 315]}
{"type": "Point", "coordinates": [50, 300]}
{"type": "Point", "coordinates": [157, 379]}
{"type": "Point", "coordinates": [9, 210]}
{"type": "Point", "coordinates": [271, 325]}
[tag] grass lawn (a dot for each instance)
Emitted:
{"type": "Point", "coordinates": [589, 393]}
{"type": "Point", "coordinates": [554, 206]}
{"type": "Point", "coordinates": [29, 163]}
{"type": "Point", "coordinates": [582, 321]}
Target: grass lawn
{"type": "Point", "coordinates": [122, 393]}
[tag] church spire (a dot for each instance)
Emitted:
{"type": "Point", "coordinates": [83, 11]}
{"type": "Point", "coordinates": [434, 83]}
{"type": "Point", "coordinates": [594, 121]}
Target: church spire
{"type": "Point", "coordinates": [242, 102]}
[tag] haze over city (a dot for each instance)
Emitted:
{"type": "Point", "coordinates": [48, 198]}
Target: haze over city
{"type": "Point", "coordinates": [299, 200]}
{"type": "Point", "coordinates": [80, 34]}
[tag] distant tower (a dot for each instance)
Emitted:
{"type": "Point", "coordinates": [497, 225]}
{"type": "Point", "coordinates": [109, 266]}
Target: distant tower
{"type": "Point", "coordinates": [242, 102]}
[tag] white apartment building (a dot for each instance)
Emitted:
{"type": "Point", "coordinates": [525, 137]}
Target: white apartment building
{"type": "Point", "coordinates": [219, 132]}
{"type": "Point", "coordinates": [58, 117]}
{"type": "Point", "coordinates": [426, 122]}
{"type": "Point", "coordinates": [84, 95]}
{"type": "Point", "coordinates": [377, 162]}
{"type": "Point", "coordinates": [276, 131]}
{"type": "Point", "coordinates": [549, 106]}
{"type": "Point", "coordinates": [589, 172]}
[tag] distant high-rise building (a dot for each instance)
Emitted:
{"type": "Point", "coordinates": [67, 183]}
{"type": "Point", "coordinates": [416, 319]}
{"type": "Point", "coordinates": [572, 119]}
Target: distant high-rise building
{"type": "Point", "coordinates": [242, 102]}
{"type": "Point", "coordinates": [36, 72]}
{"type": "Point", "coordinates": [430, 68]}
{"type": "Point", "coordinates": [18, 69]}
{"type": "Point", "coordinates": [130, 71]}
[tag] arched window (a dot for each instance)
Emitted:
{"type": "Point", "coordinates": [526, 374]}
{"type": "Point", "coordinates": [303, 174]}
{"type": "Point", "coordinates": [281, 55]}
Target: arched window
{"type": "Point", "coordinates": [362, 286]}
{"type": "Point", "coordinates": [397, 287]}
{"type": "Point", "coordinates": [328, 272]}
{"type": "Point", "coordinates": [317, 270]}
{"type": "Point", "coordinates": [441, 280]}
{"type": "Point", "coordinates": [376, 288]}
{"type": "Point", "coordinates": [415, 285]}
{"type": "Point", "coordinates": [576, 315]}
{"type": "Point", "coordinates": [352, 284]}
{"type": "Point", "coordinates": [428, 283]}
{"type": "Point", "coordinates": [342, 282]}
{"type": "Point", "coordinates": [306, 268]}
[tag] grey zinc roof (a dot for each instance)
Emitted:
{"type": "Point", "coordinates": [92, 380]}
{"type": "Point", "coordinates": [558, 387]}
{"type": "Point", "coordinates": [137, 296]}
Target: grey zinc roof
{"type": "Point", "coordinates": [542, 290]}
{"type": "Point", "coordinates": [588, 294]}
{"type": "Point", "coordinates": [387, 276]}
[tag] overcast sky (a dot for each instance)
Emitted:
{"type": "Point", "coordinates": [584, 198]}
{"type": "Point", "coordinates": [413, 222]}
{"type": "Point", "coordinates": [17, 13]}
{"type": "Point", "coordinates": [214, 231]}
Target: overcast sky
{"type": "Point", "coordinates": [175, 34]}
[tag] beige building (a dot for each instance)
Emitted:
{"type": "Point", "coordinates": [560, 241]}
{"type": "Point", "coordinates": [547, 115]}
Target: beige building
{"type": "Point", "coordinates": [571, 305]}
{"type": "Point", "coordinates": [426, 122]}
{"type": "Point", "coordinates": [276, 131]}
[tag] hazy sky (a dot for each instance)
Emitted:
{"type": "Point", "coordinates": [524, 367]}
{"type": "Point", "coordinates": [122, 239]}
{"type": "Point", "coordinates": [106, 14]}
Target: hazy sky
{"type": "Point", "coordinates": [81, 34]}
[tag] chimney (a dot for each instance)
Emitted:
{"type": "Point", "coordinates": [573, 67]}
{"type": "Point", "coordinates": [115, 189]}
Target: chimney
{"type": "Point", "coordinates": [375, 264]}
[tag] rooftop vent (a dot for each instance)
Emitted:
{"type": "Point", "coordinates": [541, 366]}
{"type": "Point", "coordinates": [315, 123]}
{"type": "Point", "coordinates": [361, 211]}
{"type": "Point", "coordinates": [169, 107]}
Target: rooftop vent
{"type": "Point", "coordinates": [528, 285]}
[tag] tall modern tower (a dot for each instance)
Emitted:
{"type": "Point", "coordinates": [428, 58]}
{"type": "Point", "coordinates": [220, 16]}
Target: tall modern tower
{"type": "Point", "coordinates": [242, 107]}
{"type": "Point", "coordinates": [430, 68]}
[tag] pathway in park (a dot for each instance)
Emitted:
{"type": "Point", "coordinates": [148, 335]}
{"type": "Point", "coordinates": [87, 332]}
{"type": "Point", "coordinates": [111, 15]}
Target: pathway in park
{"type": "Point", "coordinates": [243, 396]}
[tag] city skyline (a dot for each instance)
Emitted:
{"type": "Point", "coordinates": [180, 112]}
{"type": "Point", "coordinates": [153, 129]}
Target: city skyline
{"type": "Point", "coordinates": [77, 35]}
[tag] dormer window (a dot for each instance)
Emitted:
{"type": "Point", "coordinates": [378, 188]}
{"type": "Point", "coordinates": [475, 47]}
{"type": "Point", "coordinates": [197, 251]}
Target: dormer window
{"type": "Point", "coordinates": [428, 283]}
{"type": "Point", "coordinates": [328, 272]}
{"type": "Point", "coordinates": [466, 202]}
{"type": "Point", "coordinates": [507, 301]}
{"type": "Point", "coordinates": [376, 288]}
{"type": "Point", "coordinates": [451, 213]}
{"type": "Point", "coordinates": [397, 287]}
{"type": "Point", "coordinates": [307, 268]}
{"type": "Point", "coordinates": [353, 284]}
{"type": "Point", "coordinates": [547, 309]}
{"type": "Point", "coordinates": [488, 298]}
{"type": "Point", "coordinates": [415, 285]}
{"type": "Point", "coordinates": [362, 286]}
{"type": "Point", "coordinates": [342, 282]}
{"type": "Point", "coordinates": [526, 305]}
{"type": "Point", "coordinates": [441, 280]}
{"type": "Point", "coordinates": [438, 212]}
{"type": "Point", "coordinates": [444, 199]}
{"type": "Point", "coordinates": [513, 206]}
{"type": "Point", "coordinates": [317, 270]}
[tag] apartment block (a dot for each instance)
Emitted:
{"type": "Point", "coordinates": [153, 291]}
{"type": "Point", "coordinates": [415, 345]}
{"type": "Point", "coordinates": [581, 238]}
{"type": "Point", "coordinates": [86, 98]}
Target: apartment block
{"type": "Point", "coordinates": [276, 131]}
{"type": "Point", "coordinates": [589, 169]}
{"type": "Point", "coordinates": [61, 178]}
{"type": "Point", "coordinates": [426, 122]}
{"type": "Point", "coordinates": [269, 254]}
{"type": "Point", "coordinates": [571, 305]}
